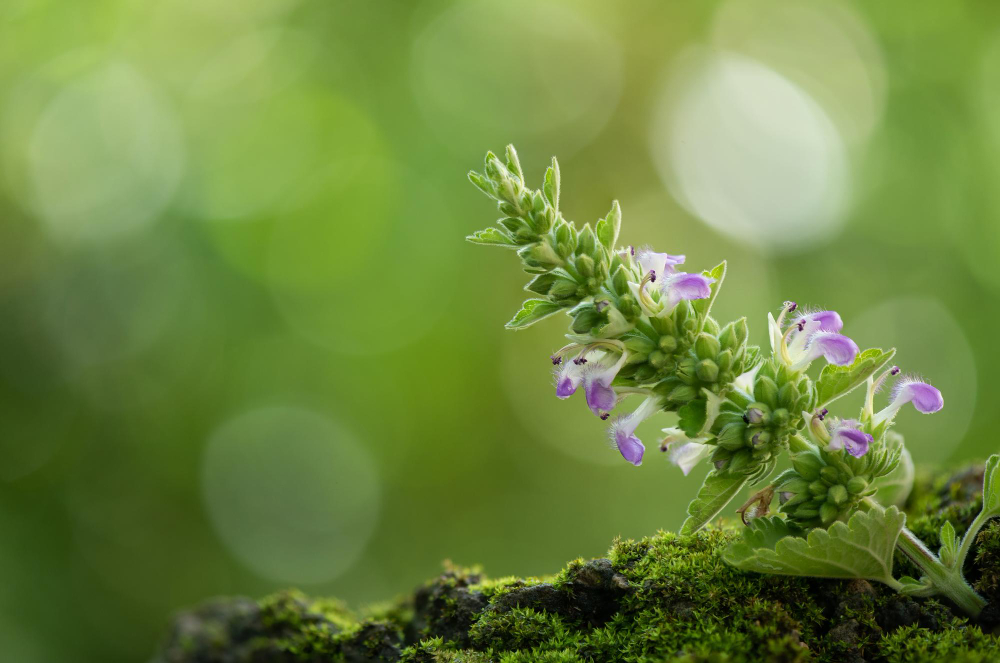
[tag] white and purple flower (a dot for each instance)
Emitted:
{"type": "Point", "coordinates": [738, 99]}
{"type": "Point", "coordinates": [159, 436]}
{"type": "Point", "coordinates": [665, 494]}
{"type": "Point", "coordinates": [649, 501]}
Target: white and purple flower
{"type": "Point", "coordinates": [847, 434]}
{"type": "Point", "coordinates": [666, 286]}
{"type": "Point", "coordinates": [683, 451]}
{"type": "Point", "coordinates": [925, 398]}
{"type": "Point", "coordinates": [622, 430]}
{"type": "Point", "coordinates": [809, 337]}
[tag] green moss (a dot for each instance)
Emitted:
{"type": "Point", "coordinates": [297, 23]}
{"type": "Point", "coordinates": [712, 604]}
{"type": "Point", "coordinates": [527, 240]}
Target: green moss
{"type": "Point", "coordinates": [662, 598]}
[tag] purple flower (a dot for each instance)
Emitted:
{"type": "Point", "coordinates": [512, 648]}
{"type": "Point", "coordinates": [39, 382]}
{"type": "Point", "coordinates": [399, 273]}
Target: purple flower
{"type": "Point", "coordinates": [597, 379]}
{"type": "Point", "coordinates": [680, 285]}
{"type": "Point", "coordinates": [925, 399]}
{"type": "Point", "coordinates": [848, 435]}
{"type": "Point", "coordinates": [661, 264]}
{"type": "Point", "coordinates": [568, 378]}
{"type": "Point", "coordinates": [622, 430]}
{"type": "Point", "coordinates": [837, 348]}
{"type": "Point", "coordinates": [809, 337]}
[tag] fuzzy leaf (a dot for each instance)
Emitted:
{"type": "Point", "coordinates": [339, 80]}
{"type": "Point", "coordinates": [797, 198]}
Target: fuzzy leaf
{"type": "Point", "coordinates": [836, 381]}
{"type": "Point", "coordinates": [991, 486]}
{"type": "Point", "coordinates": [692, 417]}
{"type": "Point", "coordinates": [704, 306]}
{"type": "Point", "coordinates": [531, 312]}
{"type": "Point", "coordinates": [608, 227]}
{"type": "Point", "coordinates": [492, 237]}
{"type": "Point", "coordinates": [713, 496]}
{"type": "Point", "coordinates": [861, 548]}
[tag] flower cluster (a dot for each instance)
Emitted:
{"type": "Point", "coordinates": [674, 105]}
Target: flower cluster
{"type": "Point", "coordinates": [642, 326]}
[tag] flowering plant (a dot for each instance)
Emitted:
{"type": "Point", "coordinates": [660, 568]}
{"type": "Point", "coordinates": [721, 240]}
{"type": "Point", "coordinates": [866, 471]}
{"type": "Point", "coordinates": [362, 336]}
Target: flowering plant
{"type": "Point", "coordinates": [641, 326]}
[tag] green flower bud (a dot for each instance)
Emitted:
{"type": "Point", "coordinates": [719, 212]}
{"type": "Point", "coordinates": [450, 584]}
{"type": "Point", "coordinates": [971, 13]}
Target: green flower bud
{"type": "Point", "coordinates": [805, 512]}
{"type": "Point", "coordinates": [807, 464]}
{"type": "Point", "coordinates": [830, 474]}
{"type": "Point", "coordinates": [837, 494]}
{"type": "Point", "coordinates": [828, 513]}
{"type": "Point", "coordinates": [564, 289]}
{"type": "Point", "coordinates": [793, 485]}
{"type": "Point", "coordinates": [857, 485]}
{"type": "Point", "coordinates": [707, 370]}
{"type": "Point", "coordinates": [787, 395]}
{"type": "Point", "coordinates": [780, 417]}
{"type": "Point", "coordinates": [817, 488]}
{"type": "Point", "coordinates": [585, 318]}
{"type": "Point", "coordinates": [731, 437]}
{"type": "Point", "coordinates": [740, 461]}
{"type": "Point", "coordinates": [629, 308]}
{"type": "Point", "coordinates": [585, 265]}
{"type": "Point", "coordinates": [725, 360]}
{"type": "Point", "coordinates": [639, 345]}
{"type": "Point", "coordinates": [668, 344]}
{"type": "Point", "coordinates": [657, 359]}
{"type": "Point", "coordinates": [727, 337]}
{"type": "Point", "coordinates": [765, 390]}
{"type": "Point", "coordinates": [706, 346]}
{"type": "Point", "coordinates": [686, 370]}
{"type": "Point", "coordinates": [620, 282]}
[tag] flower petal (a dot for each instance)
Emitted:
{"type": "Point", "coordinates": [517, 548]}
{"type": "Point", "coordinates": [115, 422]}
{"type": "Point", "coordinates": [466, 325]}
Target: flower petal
{"type": "Point", "coordinates": [686, 456]}
{"type": "Point", "coordinates": [682, 285]}
{"type": "Point", "coordinates": [925, 398]}
{"type": "Point", "coordinates": [829, 321]}
{"type": "Point", "coordinates": [661, 264]}
{"type": "Point", "coordinates": [630, 446]}
{"type": "Point", "coordinates": [837, 348]}
{"type": "Point", "coordinates": [855, 441]}
{"type": "Point", "coordinates": [601, 397]}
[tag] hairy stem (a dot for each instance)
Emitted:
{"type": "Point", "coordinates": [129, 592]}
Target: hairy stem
{"type": "Point", "coordinates": [970, 537]}
{"type": "Point", "coordinates": [948, 581]}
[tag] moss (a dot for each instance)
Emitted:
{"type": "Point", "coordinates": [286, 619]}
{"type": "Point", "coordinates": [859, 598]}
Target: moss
{"type": "Point", "coordinates": [662, 598]}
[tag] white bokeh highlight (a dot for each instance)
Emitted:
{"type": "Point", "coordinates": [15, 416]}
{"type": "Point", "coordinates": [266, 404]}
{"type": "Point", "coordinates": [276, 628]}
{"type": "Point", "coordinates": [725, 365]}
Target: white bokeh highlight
{"type": "Point", "coordinates": [105, 156]}
{"type": "Point", "coordinates": [750, 153]}
{"type": "Point", "coordinates": [291, 493]}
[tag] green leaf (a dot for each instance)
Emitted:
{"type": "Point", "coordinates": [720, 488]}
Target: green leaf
{"type": "Point", "coordinates": [861, 548]}
{"type": "Point", "coordinates": [550, 188]}
{"type": "Point", "coordinates": [949, 545]}
{"type": "Point", "coordinates": [714, 495]}
{"type": "Point", "coordinates": [836, 381]}
{"type": "Point", "coordinates": [492, 237]}
{"type": "Point", "coordinates": [991, 487]}
{"type": "Point", "coordinates": [767, 531]}
{"type": "Point", "coordinates": [704, 306]}
{"type": "Point", "coordinates": [692, 417]}
{"type": "Point", "coordinates": [608, 227]}
{"type": "Point", "coordinates": [531, 312]}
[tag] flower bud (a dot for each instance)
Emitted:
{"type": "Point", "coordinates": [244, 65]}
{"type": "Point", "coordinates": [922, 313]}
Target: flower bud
{"type": "Point", "coordinates": [707, 370]}
{"type": "Point", "coordinates": [780, 417]}
{"type": "Point", "coordinates": [765, 390]}
{"type": "Point", "coordinates": [667, 344]}
{"type": "Point", "coordinates": [725, 360]}
{"type": "Point", "coordinates": [857, 485]}
{"type": "Point", "coordinates": [740, 460]}
{"type": "Point", "coordinates": [585, 265]}
{"type": "Point", "coordinates": [731, 437]}
{"type": "Point", "coordinates": [828, 513]}
{"type": "Point", "coordinates": [837, 494]}
{"type": "Point", "coordinates": [706, 346]}
{"type": "Point", "coordinates": [818, 487]}
{"type": "Point", "coordinates": [830, 474]}
{"type": "Point", "coordinates": [807, 464]}
{"type": "Point", "coordinates": [657, 359]}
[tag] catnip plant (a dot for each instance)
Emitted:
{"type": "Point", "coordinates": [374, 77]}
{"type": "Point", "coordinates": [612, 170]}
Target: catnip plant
{"type": "Point", "coordinates": [642, 327]}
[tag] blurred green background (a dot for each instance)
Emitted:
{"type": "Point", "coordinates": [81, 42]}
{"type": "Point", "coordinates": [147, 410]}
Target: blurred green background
{"type": "Point", "coordinates": [245, 347]}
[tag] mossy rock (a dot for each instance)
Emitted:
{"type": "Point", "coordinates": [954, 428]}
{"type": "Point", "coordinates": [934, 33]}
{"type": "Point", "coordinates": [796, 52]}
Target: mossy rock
{"type": "Point", "coordinates": [664, 598]}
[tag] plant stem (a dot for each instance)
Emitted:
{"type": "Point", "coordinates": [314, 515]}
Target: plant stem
{"type": "Point", "coordinates": [970, 537]}
{"type": "Point", "coordinates": [948, 582]}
